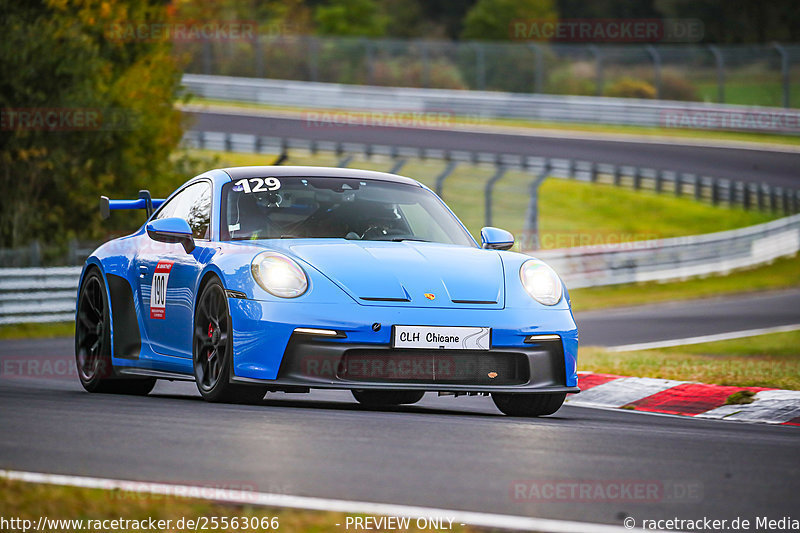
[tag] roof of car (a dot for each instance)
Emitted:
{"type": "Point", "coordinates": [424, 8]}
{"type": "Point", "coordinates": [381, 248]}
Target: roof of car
{"type": "Point", "coordinates": [314, 172]}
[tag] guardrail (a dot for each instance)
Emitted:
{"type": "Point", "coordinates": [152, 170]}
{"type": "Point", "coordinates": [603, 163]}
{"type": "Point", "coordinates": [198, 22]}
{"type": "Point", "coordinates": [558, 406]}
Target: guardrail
{"type": "Point", "coordinates": [38, 294]}
{"type": "Point", "coordinates": [681, 71]}
{"type": "Point", "coordinates": [485, 105]}
{"type": "Point", "coordinates": [676, 258]}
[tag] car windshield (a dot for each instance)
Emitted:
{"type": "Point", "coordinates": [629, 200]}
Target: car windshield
{"type": "Point", "coordinates": [348, 208]}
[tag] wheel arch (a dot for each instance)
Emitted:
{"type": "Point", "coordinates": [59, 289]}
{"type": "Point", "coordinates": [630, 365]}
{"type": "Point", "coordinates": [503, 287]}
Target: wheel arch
{"type": "Point", "coordinates": [124, 329]}
{"type": "Point", "coordinates": [207, 275]}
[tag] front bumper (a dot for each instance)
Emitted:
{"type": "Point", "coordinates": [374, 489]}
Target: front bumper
{"type": "Point", "coordinates": [266, 349]}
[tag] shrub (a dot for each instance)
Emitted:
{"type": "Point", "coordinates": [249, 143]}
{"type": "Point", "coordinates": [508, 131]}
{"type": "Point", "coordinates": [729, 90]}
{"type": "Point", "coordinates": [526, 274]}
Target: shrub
{"type": "Point", "coordinates": [575, 78]}
{"type": "Point", "coordinates": [629, 88]}
{"type": "Point", "coordinates": [674, 86]}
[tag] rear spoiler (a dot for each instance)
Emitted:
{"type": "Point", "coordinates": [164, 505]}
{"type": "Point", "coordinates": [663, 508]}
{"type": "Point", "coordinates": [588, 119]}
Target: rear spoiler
{"type": "Point", "coordinates": [145, 201]}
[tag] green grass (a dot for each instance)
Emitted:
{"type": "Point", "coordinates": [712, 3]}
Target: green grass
{"type": "Point", "coordinates": [752, 92]}
{"type": "Point", "coordinates": [697, 135]}
{"type": "Point", "coordinates": [761, 361]}
{"type": "Point", "coordinates": [37, 331]}
{"type": "Point", "coordinates": [782, 274]}
{"type": "Point", "coordinates": [29, 501]}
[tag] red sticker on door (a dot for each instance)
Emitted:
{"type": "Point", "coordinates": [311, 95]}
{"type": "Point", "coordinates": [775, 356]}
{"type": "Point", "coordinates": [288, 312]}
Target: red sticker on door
{"type": "Point", "coordinates": [158, 290]}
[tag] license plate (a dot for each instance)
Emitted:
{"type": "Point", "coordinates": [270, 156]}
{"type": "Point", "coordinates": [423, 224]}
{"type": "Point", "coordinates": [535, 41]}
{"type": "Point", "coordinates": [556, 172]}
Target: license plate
{"type": "Point", "coordinates": [442, 337]}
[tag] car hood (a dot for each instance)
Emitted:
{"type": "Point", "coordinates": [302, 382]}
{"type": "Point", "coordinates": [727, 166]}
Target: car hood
{"type": "Point", "coordinates": [403, 273]}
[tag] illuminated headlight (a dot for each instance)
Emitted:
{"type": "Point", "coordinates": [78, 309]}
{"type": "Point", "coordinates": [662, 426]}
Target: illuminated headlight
{"type": "Point", "coordinates": [279, 275]}
{"type": "Point", "coordinates": [541, 282]}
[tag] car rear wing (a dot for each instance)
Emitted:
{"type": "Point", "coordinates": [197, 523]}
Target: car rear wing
{"type": "Point", "coordinates": [145, 201]}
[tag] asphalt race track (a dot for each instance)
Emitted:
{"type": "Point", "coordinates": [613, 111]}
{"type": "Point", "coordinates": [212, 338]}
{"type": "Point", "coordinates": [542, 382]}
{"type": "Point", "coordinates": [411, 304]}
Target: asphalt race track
{"type": "Point", "coordinates": [443, 452]}
{"type": "Point", "coordinates": [452, 453]}
{"type": "Point", "coordinates": [679, 320]}
{"type": "Point", "coordinates": [774, 167]}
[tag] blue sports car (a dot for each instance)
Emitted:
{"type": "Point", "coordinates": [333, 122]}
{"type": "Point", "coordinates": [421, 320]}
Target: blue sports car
{"type": "Point", "coordinates": [256, 279]}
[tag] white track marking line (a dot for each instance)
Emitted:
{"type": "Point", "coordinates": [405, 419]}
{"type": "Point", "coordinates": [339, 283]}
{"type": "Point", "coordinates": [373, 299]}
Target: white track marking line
{"type": "Point", "coordinates": [703, 338]}
{"type": "Point", "coordinates": [317, 504]}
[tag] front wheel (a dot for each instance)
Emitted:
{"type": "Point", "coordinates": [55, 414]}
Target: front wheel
{"type": "Point", "coordinates": [212, 350]}
{"type": "Point", "coordinates": [528, 405]}
{"type": "Point", "coordinates": [378, 398]}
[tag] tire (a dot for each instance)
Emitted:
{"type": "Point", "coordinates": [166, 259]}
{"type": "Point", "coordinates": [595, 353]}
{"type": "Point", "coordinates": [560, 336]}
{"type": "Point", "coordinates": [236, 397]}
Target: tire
{"type": "Point", "coordinates": [376, 398]}
{"type": "Point", "coordinates": [212, 350]}
{"type": "Point", "coordinates": [93, 343]}
{"type": "Point", "coordinates": [528, 405]}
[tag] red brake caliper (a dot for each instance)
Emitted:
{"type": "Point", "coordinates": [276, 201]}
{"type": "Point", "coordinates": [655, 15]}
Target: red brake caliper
{"type": "Point", "coordinates": [210, 335]}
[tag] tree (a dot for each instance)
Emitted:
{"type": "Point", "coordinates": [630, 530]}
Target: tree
{"type": "Point", "coordinates": [491, 19]}
{"type": "Point", "coordinates": [60, 58]}
{"type": "Point", "coordinates": [361, 18]}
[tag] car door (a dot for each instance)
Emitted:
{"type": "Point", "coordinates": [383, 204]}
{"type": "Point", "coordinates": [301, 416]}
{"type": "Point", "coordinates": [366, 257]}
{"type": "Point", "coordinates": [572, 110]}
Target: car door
{"type": "Point", "coordinates": [168, 275]}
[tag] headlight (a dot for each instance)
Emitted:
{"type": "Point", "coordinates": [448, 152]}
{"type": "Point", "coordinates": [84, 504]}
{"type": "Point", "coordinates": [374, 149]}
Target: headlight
{"type": "Point", "coordinates": [541, 282]}
{"type": "Point", "coordinates": [279, 275]}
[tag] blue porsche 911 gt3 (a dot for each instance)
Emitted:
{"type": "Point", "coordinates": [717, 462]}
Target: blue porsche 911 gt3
{"type": "Point", "coordinates": [255, 279]}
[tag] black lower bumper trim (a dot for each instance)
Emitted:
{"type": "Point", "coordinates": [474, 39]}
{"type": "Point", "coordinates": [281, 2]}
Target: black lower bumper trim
{"type": "Point", "coordinates": [317, 363]}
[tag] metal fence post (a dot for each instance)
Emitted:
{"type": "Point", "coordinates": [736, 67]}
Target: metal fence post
{"type": "Point", "coordinates": [258, 56]}
{"type": "Point", "coordinates": [501, 170]}
{"type": "Point", "coordinates": [398, 165]}
{"type": "Point", "coordinates": [36, 254]}
{"type": "Point", "coordinates": [659, 181]}
{"type": "Point", "coordinates": [532, 213]}
{"type": "Point", "coordinates": [720, 72]}
{"type": "Point", "coordinates": [451, 166]}
{"type": "Point", "coordinates": [598, 58]}
{"type": "Point", "coordinates": [785, 79]}
{"type": "Point", "coordinates": [426, 64]}
{"type": "Point", "coordinates": [617, 175]}
{"type": "Point", "coordinates": [370, 55]}
{"type": "Point", "coordinates": [746, 196]}
{"type": "Point", "coordinates": [72, 252]}
{"type": "Point", "coordinates": [656, 57]}
{"type": "Point", "coordinates": [207, 59]}
{"type": "Point", "coordinates": [637, 178]}
{"type": "Point", "coordinates": [313, 57]}
{"type": "Point", "coordinates": [773, 199]}
{"type": "Point", "coordinates": [480, 65]}
{"type": "Point", "coordinates": [714, 191]}
{"type": "Point", "coordinates": [538, 73]}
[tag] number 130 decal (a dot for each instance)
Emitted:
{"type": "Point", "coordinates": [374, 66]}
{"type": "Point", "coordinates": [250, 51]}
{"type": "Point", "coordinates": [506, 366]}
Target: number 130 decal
{"type": "Point", "coordinates": [259, 184]}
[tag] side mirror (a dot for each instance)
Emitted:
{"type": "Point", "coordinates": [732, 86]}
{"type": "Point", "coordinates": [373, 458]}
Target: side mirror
{"type": "Point", "coordinates": [171, 230]}
{"type": "Point", "coordinates": [496, 239]}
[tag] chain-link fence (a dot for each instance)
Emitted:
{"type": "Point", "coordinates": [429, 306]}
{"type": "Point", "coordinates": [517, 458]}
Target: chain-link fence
{"type": "Point", "coordinates": [766, 74]}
